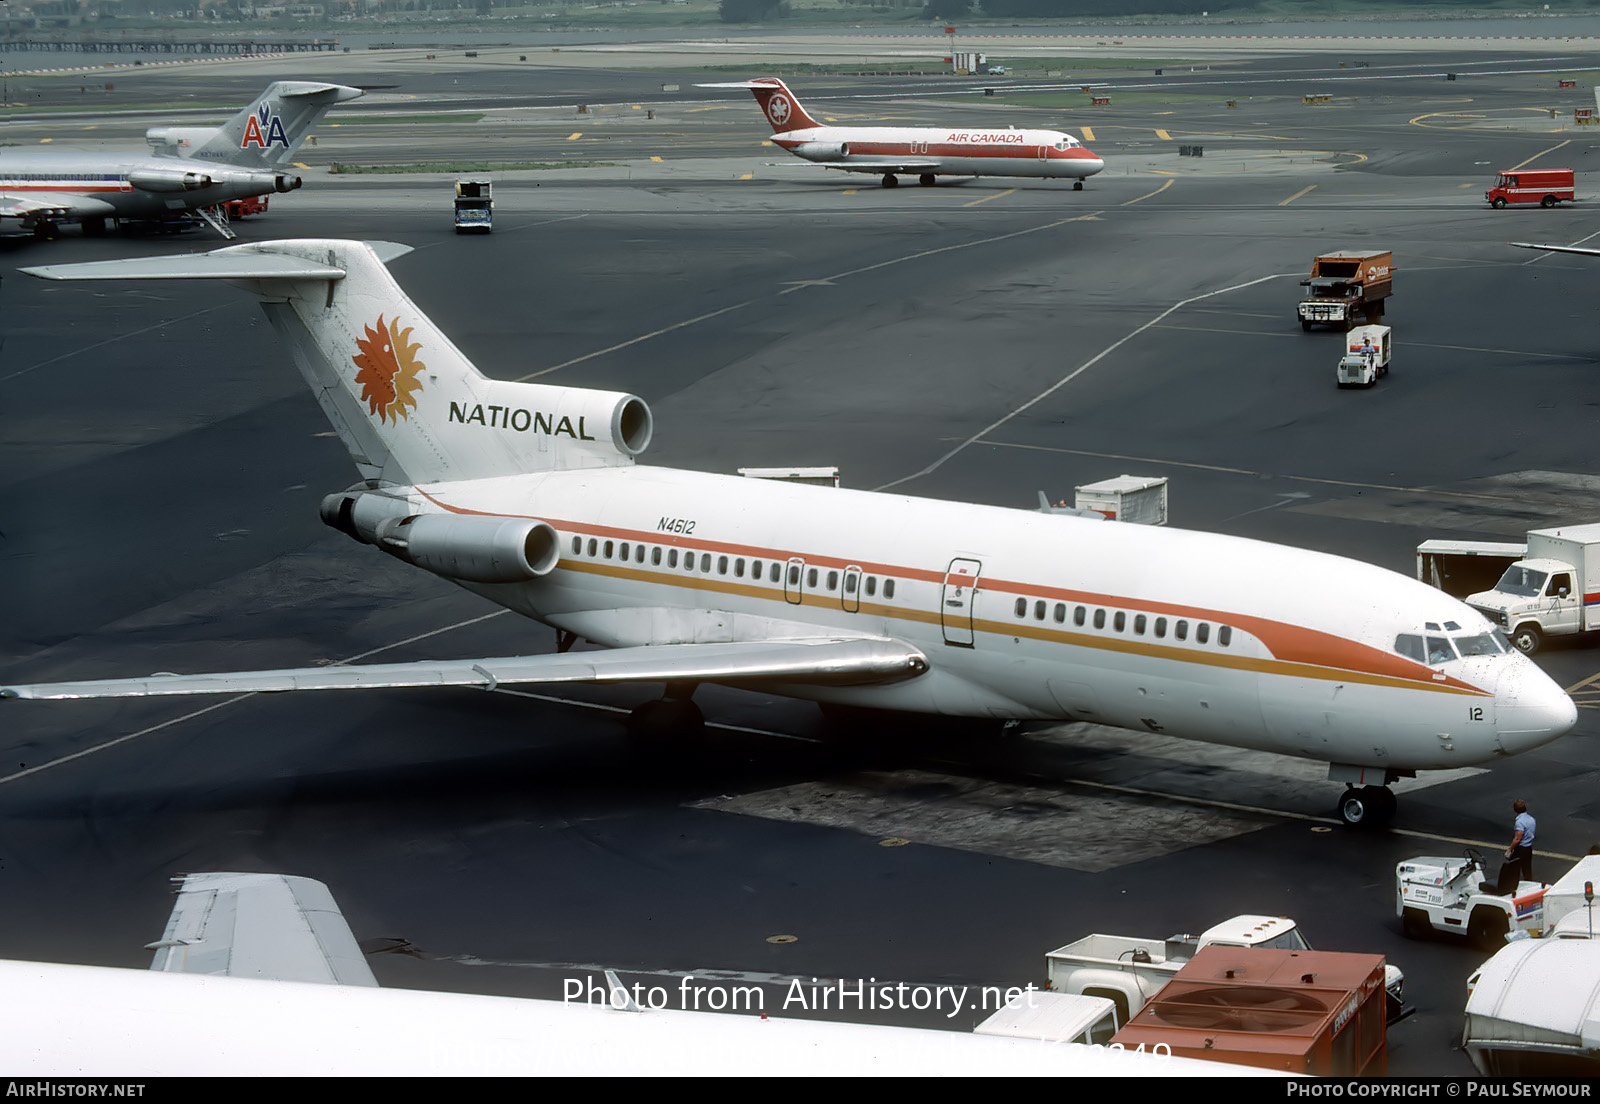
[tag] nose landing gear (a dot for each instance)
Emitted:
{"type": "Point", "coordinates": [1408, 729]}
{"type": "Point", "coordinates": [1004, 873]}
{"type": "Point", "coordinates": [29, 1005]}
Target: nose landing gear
{"type": "Point", "coordinates": [1366, 806]}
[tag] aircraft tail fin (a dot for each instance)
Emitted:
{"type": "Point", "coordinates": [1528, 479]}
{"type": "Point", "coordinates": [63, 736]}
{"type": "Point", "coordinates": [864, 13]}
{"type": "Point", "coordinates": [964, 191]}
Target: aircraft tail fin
{"type": "Point", "coordinates": [407, 403]}
{"type": "Point", "coordinates": [779, 104]}
{"type": "Point", "coordinates": [269, 131]}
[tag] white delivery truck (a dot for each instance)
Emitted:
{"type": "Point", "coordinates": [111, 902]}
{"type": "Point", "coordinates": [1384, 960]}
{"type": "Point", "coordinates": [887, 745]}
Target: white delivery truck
{"type": "Point", "coordinates": [474, 206]}
{"type": "Point", "coordinates": [1129, 971]}
{"type": "Point", "coordinates": [1366, 356]}
{"type": "Point", "coordinates": [1545, 593]}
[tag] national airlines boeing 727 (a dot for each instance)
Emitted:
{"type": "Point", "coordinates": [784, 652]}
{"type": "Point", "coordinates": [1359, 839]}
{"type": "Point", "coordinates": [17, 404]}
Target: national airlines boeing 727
{"type": "Point", "coordinates": [925, 152]}
{"type": "Point", "coordinates": [531, 496]}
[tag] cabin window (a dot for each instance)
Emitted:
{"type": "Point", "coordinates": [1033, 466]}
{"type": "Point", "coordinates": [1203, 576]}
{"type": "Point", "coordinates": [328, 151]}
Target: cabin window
{"type": "Point", "coordinates": [722, 565]}
{"type": "Point", "coordinates": [872, 585]}
{"type": "Point", "coordinates": [811, 578]}
{"type": "Point", "coordinates": [833, 580]}
{"type": "Point", "coordinates": [655, 556]}
{"type": "Point", "coordinates": [577, 546]}
{"type": "Point", "coordinates": [1078, 615]}
{"type": "Point", "coordinates": [1138, 625]}
{"type": "Point", "coordinates": [850, 583]}
{"type": "Point", "coordinates": [705, 562]}
{"type": "Point", "coordinates": [794, 575]}
{"type": "Point", "coordinates": [738, 568]}
{"type": "Point", "coordinates": [1161, 627]}
{"type": "Point", "coordinates": [1410, 646]}
{"type": "Point", "coordinates": [1224, 635]}
{"type": "Point", "coordinates": [592, 545]}
{"type": "Point", "coordinates": [1022, 607]}
{"type": "Point", "coordinates": [1099, 618]}
{"type": "Point", "coordinates": [755, 570]}
{"type": "Point", "coordinates": [1038, 611]}
{"type": "Point", "coordinates": [638, 553]}
{"type": "Point", "coordinates": [609, 548]}
{"type": "Point", "coordinates": [1181, 630]}
{"type": "Point", "coordinates": [623, 552]}
{"type": "Point", "coordinates": [1061, 612]}
{"type": "Point", "coordinates": [776, 569]}
{"type": "Point", "coordinates": [1120, 621]}
{"type": "Point", "coordinates": [888, 588]}
{"type": "Point", "coordinates": [1202, 633]}
{"type": "Point", "coordinates": [672, 557]}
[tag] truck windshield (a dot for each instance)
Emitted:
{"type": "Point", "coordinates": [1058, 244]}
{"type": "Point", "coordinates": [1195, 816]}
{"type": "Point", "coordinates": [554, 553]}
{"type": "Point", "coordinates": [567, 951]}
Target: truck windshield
{"type": "Point", "coordinates": [1524, 582]}
{"type": "Point", "coordinates": [1290, 940]}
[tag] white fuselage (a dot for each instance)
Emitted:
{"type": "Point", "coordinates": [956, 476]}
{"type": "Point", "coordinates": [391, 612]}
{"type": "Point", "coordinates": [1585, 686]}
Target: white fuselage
{"type": "Point", "coordinates": [134, 186]}
{"type": "Point", "coordinates": [1028, 615]}
{"type": "Point", "coordinates": [942, 150]}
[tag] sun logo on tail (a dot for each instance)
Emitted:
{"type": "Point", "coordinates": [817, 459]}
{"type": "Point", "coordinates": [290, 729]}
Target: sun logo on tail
{"type": "Point", "coordinates": [390, 373]}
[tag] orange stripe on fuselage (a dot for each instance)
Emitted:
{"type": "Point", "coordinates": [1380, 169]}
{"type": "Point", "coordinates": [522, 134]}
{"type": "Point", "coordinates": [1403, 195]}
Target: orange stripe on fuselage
{"type": "Point", "coordinates": [1296, 651]}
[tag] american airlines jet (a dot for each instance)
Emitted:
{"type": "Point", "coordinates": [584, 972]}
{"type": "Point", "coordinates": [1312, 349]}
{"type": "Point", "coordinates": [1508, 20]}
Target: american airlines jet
{"type": "Point", "coordinates": [925, 152]}
{"type": "Point", "coordinates": [190, 170]}
{"type": "Point", "coordinates": [532, 496]}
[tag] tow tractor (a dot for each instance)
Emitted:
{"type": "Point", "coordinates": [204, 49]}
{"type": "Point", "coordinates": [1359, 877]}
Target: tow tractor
{"type": "Point", "coordinates": [1434, 894]}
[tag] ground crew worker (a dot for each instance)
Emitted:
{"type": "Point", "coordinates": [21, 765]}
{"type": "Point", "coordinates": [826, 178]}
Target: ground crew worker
{"type": "Point", "coordinates": [1519, 856]}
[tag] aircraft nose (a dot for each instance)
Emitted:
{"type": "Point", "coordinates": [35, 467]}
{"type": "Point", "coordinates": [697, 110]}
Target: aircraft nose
{"type": "Point", "coordinates": [1089, 161]}
{"type": "Point", "coordinates": [1530, 709]}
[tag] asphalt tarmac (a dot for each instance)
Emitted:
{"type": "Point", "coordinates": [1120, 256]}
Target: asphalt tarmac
{"type": "Point", "coordinates": [980, 340]}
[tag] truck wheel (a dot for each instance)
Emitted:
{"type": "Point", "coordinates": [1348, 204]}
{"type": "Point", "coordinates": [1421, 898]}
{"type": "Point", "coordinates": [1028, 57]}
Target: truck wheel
{"type": "Point", "coordinates": [1304, 325]}
{"type": "Point", "coordinates": [1487, 928]}
{"type": "Point", "coordinates": [1414, 923]}
{"type": "Point", "coordinates": [1527, 639]}
{"type": "Point", "coordinates": [1548, 201]}
{"type": "Point", "coordinates": [1499, 202]}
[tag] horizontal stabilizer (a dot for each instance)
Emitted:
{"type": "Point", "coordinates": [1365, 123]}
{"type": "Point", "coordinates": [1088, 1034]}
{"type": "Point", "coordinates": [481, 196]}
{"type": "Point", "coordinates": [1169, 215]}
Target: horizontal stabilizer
{"type": "Point", "coordinates": [833, 661]}
{"type": "Point", "coordinates": [269, 926]}
{"type": "Point", "coordinates": [234, 262]}
{"type": "Point", "coordinates": [1559, 249]}
{"type": "Point", "coordinates": [736, 84]}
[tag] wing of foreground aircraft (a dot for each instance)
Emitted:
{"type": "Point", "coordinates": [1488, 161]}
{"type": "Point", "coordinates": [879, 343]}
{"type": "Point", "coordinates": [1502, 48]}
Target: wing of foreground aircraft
{"type": "Point", "coordinates": [817, 662]}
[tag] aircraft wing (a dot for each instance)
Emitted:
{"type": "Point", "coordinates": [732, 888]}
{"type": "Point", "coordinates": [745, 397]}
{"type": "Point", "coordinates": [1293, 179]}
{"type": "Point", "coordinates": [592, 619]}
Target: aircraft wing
{"type": "Point", "coordinates": [814, 661]}
{"type": "Point", "coordinates": [1559, 248]}
{"type": "Point", "coordinates": [908, 165]}
{"type": "Point", "coordinates": [270, 926]}
{"type": "Point", "coordinates": [56, 204]}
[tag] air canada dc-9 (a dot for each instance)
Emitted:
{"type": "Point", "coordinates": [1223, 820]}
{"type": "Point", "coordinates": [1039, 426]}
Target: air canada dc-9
{"type": "Point", "coordinates": [533, 497]}
{"type": "Point", "coordinates": [924, 152]}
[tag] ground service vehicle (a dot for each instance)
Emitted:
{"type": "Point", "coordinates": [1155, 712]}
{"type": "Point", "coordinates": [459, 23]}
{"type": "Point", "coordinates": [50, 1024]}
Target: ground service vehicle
{"type": "Point", "coordinates": [1308, 1012]}
{"type": "Point", "coordinates": [1554, 590]}
{"type": "Point", "coordinates": [1347, 285]}
{"type": "Point", "coordinates": [1054, 1018]}
{"type": "Point", "coordinates": [1366, 356]}
{"type": "Point", "coordinates": [1129, 971]}
{"type": "Point", "coordinates": [1546, 187]}
{"type": "Point", "coordinates": [474, 206]}
{"type": "Point", "coordinates": [1451, 894]}
{"type": "Point", "coordinates": [244, 208]}
{"type": "Point", "coordinates": [1569, 903]}
{"type": "Point", "coordinates": [1534, 1010]}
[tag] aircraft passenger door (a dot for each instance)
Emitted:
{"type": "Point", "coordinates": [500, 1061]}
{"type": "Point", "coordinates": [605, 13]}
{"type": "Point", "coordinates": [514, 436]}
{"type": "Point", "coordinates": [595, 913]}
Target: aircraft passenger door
{"type": "Point", "coordinates": [850, 590]}
{"type": "Point", "coordinates": [1044, 151]}
{"type": "Point", "coordinates": [792, 575]}
{"type": "Point", "coordinates": [955, 603]}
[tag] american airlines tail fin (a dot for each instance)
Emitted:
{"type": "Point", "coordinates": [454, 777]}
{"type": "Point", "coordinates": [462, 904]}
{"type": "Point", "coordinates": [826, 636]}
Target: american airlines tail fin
{"type": "Point", "coordinates": [265, 134]}
{"type": "Point", "coordinates": [783, 111]}
{"type": "Point", "coordinates": [407, 403]}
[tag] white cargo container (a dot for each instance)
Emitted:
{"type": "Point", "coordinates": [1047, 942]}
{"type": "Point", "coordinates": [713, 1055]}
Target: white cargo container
{"type": "Point", "coordinates": [1534, 1010]}
{"type": "Point", "coordinates": [1554, 590]}
{"type": "Point", "coordinates": [1140, 499]}
{"type": "Point", "coordinates": [1569, 913]}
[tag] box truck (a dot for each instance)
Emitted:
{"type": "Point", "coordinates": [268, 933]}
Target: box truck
{"type": "Point", "coordinates": [1553, 590]}
{"type": "Point", "coordinates": [1546, 187]}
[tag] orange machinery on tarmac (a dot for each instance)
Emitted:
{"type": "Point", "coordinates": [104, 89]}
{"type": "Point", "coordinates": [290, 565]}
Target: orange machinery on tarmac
{"type": "Point", "coordinates": [1309, 1012]}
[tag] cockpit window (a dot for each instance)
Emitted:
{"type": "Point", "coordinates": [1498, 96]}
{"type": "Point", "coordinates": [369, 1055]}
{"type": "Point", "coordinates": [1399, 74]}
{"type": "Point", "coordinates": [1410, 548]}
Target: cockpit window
{"type": "Point", "coordinates": [1483, 644]}
{"type": "Point", "coordinates": [1524, 582]}
{"type": "Point", "coordinates": [1439, 650]}
{"type": "Point", "coordinates": [1410, 646]}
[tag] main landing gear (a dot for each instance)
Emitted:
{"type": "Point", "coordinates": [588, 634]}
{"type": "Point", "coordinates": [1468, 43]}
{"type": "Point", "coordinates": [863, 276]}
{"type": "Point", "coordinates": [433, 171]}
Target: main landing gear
{"type": "Point", "coordinates": [1077, 185]}
{"type": "Point", "coordinates": [1366, 806]}
{"type": "Point", "coordinates": [890, 180]}
{"type": "Point", "coordinates": [674, 718]}
{"type": "Point", "coordinates": [926, 180]}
